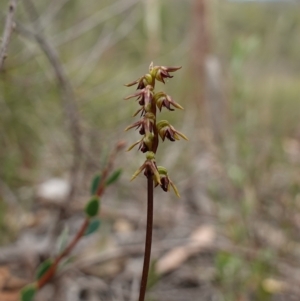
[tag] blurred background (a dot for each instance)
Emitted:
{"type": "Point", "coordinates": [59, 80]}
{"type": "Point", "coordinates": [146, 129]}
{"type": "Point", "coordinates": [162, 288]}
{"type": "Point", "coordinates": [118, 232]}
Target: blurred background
{"type": "Point", "coordinates": [234, 233]}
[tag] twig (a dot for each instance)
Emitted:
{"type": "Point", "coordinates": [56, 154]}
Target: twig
{"type": "Point", "coordinates": [51, 272]}
{"type": "Point", "coordinates": [50, 13]}
{"type": "Point", "coordinates": [78, 29]}
{"type": "Point", "coordinates": [100, 190]}
{"type": "Point", "coordinates": [94, 20]}
{"type": "Point", "coordinates": [104, 42]}
{"type": "Point", "coordinates": [119, 146]}
{"type": "Point", "coordinates": [8, 28]}
{"type": "Point", "coordinates": [148, 241]}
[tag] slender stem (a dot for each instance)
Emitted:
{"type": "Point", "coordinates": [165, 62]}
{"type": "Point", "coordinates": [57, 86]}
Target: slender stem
{"type": "Point", "coordinates": [148, 241]}
{"type": "Point", "coordinates": [100, 190]}
{"type": "Point", "coordinates": [50, 273]}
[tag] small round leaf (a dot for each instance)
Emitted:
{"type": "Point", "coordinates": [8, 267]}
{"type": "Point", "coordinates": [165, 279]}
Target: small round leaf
{"type": "Point", "coordinates": [92, 207]}
{"type": "Point", "coordinates": [28, 292]}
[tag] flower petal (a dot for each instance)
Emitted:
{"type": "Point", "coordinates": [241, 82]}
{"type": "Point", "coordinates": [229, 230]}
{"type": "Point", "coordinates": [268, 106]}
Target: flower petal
{"type": "Point", "coordinates": [136, 124]}
{"type": "Point", "coordinates": [155, 172]}
{"type": "Point", "coordinates": [139, 110]}
{"type": "Point", "coordinates": [138, 93]}
{"type": "Point", "coordinates": [182, 135]}
{"type": "Point", "coordinates": [133, 145]}
{"type": "Point", "coordinates": [175, 189]}
{"type": "Point", "coordinates": [132, 83]}
{"type": "Point", "coordinates": [171, 69]}
{"type": "Point", "coordinates": [137, 172]}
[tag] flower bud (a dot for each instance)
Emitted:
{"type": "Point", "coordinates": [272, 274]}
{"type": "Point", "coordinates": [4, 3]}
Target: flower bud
{"type": "Point", "coordinates": [165, 180]}
{"type": "Point", "coordinates": [150, 156]}
{"type": "Point", "coordinates": [142, 82]}
{"type": "Point", "coordinates": [147, 143]}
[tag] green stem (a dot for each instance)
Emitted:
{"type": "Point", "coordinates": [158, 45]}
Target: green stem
{"type": "Point", "coordinates": [148, 241]}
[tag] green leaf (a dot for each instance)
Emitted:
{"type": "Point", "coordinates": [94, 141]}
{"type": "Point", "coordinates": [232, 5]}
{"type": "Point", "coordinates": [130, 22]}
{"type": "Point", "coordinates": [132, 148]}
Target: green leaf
{"type": "Point", "coordinates": [153, 276]}
{"type": "Point", "coordinates": [43, 268]}
{"type": "Point", "coordinates": [114, 177]}
{"type": "Point", "coordinates": [92, 207]}
{"type": "Point", "coordinates": [65, 262]}
{"type": "Point", "coordinates": [28, 292]}
{"type": "Point", "coordinates": [92, 227]}
{"type": "Point", "coordinates": [63, 239]}
{"type": "Point", "coordinates": [95, 184]}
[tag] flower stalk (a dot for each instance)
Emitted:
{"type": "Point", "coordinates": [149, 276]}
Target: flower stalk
{"type": "Point", "coordinates": [148, 241]}
{"type": "Point", "coordinates": [152, 130]}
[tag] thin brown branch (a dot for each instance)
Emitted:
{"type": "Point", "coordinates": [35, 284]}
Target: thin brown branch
{"type": "Point", "coordinates": [119, 146]}
{"type": "Point", "coordinates": [148, 241]}
{"type": "Point", "coordinates": [8, 29]}
{"type": "Point", "coordinates": [51, 272]}
{"type": "Point", "coordinates": [100, 190]}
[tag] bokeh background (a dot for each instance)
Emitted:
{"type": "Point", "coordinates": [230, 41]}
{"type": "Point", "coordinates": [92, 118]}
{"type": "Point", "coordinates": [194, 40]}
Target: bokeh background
{"type": "Point", "coordinates": [234, 233]}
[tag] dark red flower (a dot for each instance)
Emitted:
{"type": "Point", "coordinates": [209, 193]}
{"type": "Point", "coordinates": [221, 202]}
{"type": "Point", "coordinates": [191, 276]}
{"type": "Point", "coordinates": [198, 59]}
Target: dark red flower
{"type": "Point", "coordinates": [145, 144]}
{"type": "Point", "coordinates": [166, 130]}
{"type": "Point", "coordinates": [145, 124]}
{"type": "Point", "coordinates": [165, 181]}
{"type": "Point", "coordinates": [149, 167]}
{"type": "Point", "coordinates": [142, 81]}
{"type": "Point", "coordinates": [144, 96]}
{"type": "Point", "coordinates": [164, 100]}
{"type": "Point", "coordinates": [162, 72]}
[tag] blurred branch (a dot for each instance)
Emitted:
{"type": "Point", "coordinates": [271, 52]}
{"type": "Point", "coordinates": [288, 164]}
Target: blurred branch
{"type": "Point", "coordinates": [207, 71]}
{"type": "Point", "coordinates": [200, 46]}
{"type": "Point", "coordinates": [79, 28]}
{"type": "Point", "coordinates": [50, 13]}
{"type": "Point", "coordinates": [100, 16]}
{"type": "Point", "coordinates": [51, 272]}
{"type": "Point", "coordinates": [68, 96]}
{"type": "Point", "coordinates": [8, 28]}
{"type": "Point", "coordinates": [103, 43]}
{"type": "Point", "coordinates": [99, 192]}
{"type": "Point", "coordinates": [153, 26]}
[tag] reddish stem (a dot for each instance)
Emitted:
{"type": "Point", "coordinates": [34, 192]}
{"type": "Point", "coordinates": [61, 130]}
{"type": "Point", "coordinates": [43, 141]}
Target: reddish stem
{"type": "Point", "coordinates": [148, 241]}
{"type": "Point", "coordinates": [50, 273]}
{"type": "Point", "coordinates": [100, 190]}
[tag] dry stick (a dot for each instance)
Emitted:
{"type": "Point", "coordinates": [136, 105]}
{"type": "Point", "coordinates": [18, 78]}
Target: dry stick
{"type": "Point", "coordinates": [70, 111]}
{"type": "Point", "coordinates": [148, 241]}
{"type": "Point", "coordinates": [68, 96]}
{"type": "Point", "coordinates": [8, 28]}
